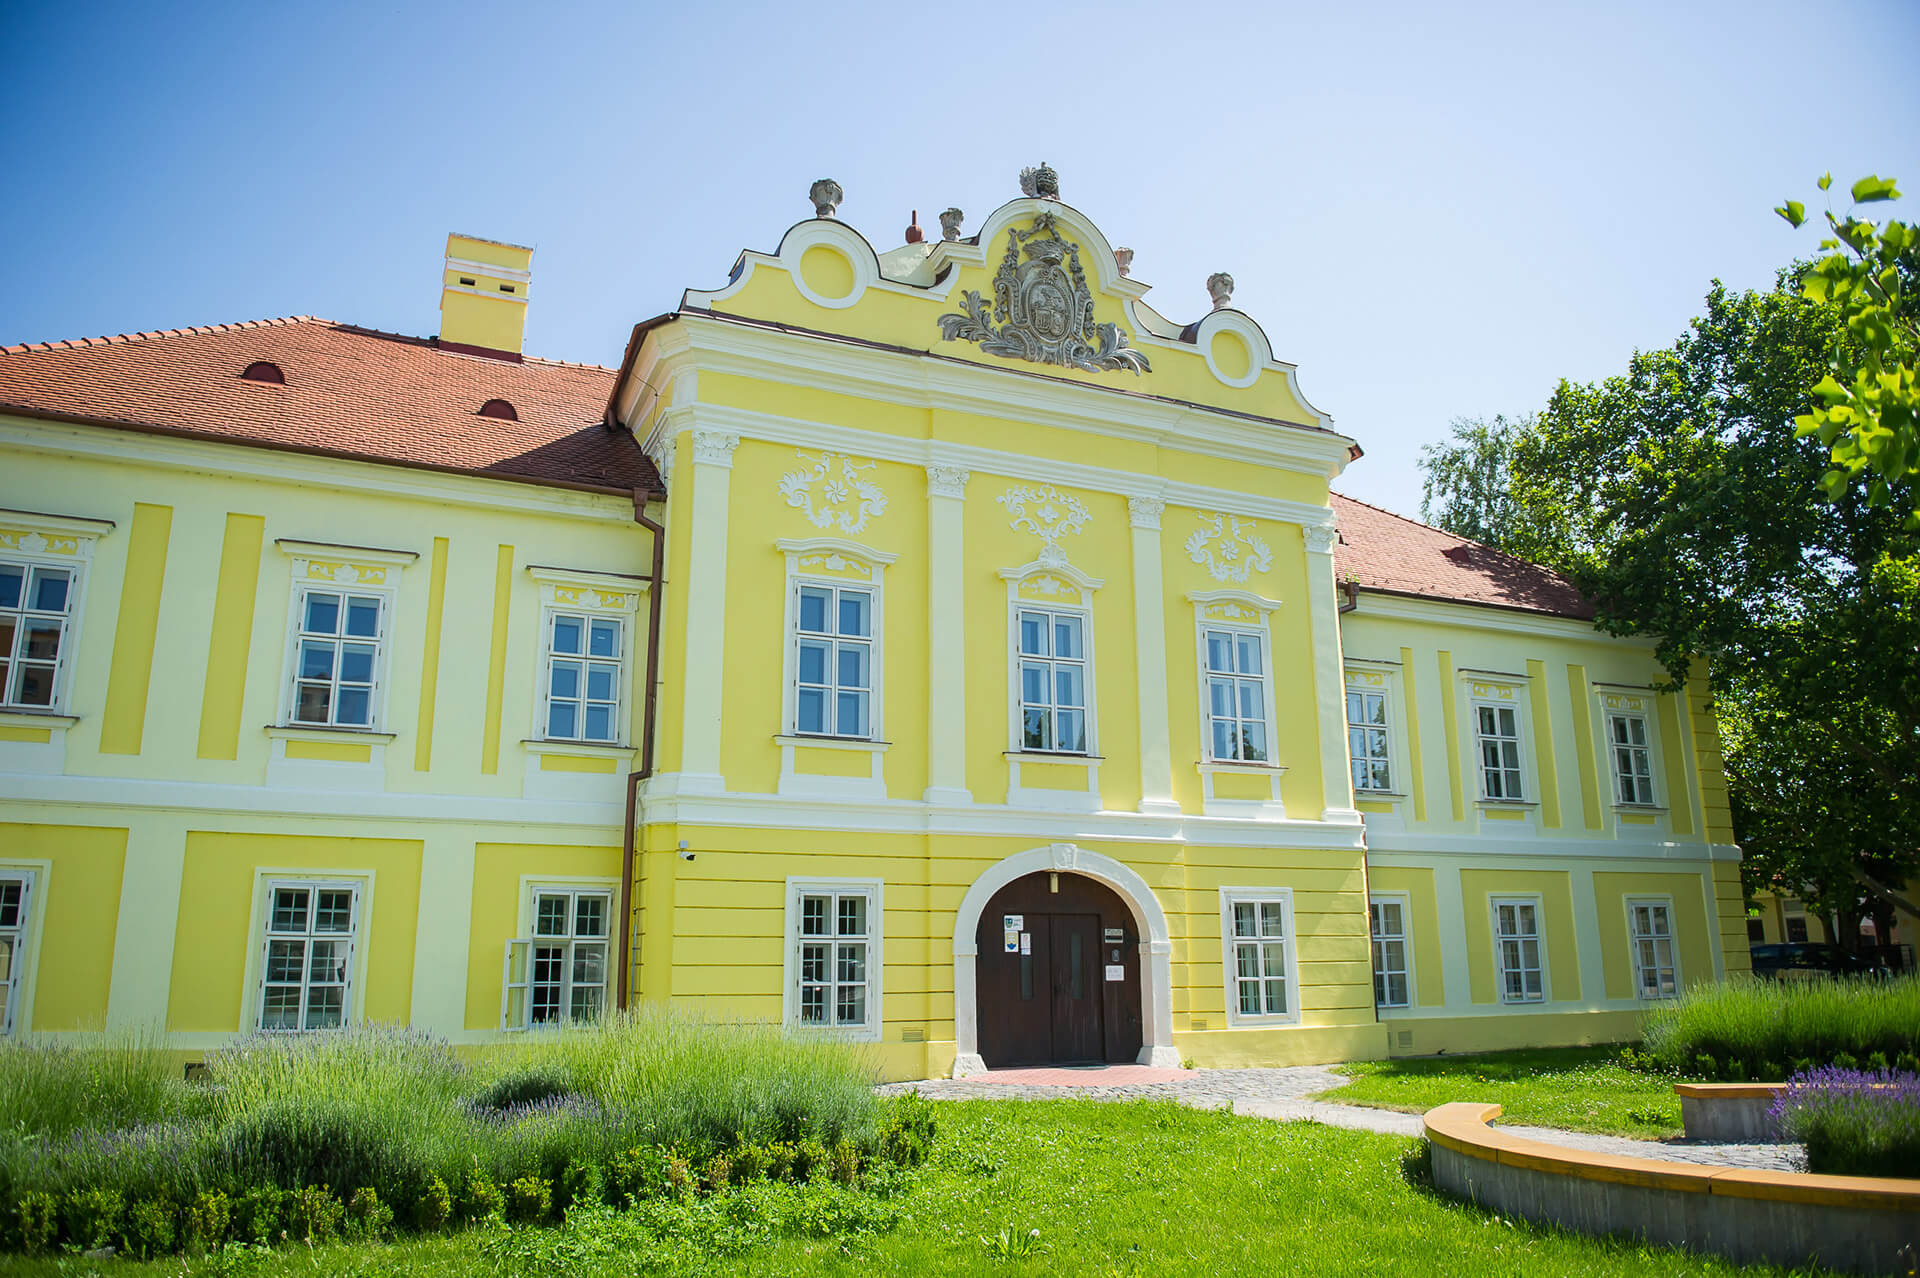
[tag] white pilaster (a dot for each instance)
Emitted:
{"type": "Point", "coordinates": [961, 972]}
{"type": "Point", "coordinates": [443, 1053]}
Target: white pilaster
{"type": "Point", "coordinates": [440, 937]}
{"type": "Point", "coordinates": [1586, 936]}
{"type": "Point", "coordinates": [946, 636]}
{"type": "Point", "coordinates": [1150, 646]}
{"type": "Point", "coordinates": [1456, 972]}
{"type": "Point", "coordinates": [706, 588]}
{"type": "Point", "coordinates": [1329, 677]}
{"type": "Point", "coordinates": [144, 936]}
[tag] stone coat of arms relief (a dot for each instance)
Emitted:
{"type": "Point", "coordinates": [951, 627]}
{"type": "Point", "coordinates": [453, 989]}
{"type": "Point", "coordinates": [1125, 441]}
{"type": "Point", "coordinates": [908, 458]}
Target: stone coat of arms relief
{"type": "Point", "coordinates": [1042, 308]}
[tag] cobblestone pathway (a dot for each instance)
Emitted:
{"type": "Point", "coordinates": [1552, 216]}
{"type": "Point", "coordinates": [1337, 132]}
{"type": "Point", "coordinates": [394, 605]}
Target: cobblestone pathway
{"type": "Point", "coordinates": [1286, 1095]}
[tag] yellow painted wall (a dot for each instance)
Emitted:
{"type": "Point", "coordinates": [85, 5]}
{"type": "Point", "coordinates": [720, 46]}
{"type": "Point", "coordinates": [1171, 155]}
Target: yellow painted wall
{"type": "Point", "coordinates": [1429, 982]}
{"type": "Point", "coordinates": [1695, 929]}
{"type": "Point", "coordinates": [1560, 950]}
{"type": "Point", "coordinates": [218, 926]}
{"type": "Point", "coordinates": [498, 872]}
{"type": "Point", "coordinates": [77, 880]}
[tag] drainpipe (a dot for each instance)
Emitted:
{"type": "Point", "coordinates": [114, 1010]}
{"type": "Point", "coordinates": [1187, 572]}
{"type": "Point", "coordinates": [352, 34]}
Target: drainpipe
{"type": "Point", "coordinates": [648, 714]}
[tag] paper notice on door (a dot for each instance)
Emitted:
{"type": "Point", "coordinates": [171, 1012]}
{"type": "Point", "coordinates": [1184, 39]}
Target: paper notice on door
{"type": "Point", "coordinates": [1026, 942]}
{"type": "Point", "coordinates": [1116, 971]}
{"type": "Point", "coordinates": [1013, 941]}
{"type": "Point", "coordinates": [1013, 922]}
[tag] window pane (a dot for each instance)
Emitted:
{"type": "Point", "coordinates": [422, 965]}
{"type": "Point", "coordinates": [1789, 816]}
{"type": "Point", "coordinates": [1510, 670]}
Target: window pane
{"type": "Point", "coordinates": [280, 1008]}
{"type": "Point", "coordinates": [1397, 989]}
{"type": "Point", "coordinates": [333, 911]}
{"type": "Point", "coordinates": [42, 640]}
{"type": "Point", "coordinates": [564, 680]}
{"type": "Point", "coordinates": [1036, 730]}
{"type": "Point", "coordinates": [813, 962]}
{"type": "Point", "coordinates": [566, 635]}
{"type": "Point", "coordinates": [589, 964]}
{"type": "Point", "coordinates": [813, 915]}
{"type": "Point", "coordinates": [599, 723]}
{"type": "Point", "coordinates": [1250, 662]}
{"type": "Point", "coordinates": [590, 916]}
{"type": "Point", "coordinates": [1253, 742]}
{"type": "Point", "coordinates": [1376, 743]}
{"type": "Point", "coordinates": [363, 617]}
{"type": "Point", "coordinates": [600, 682]}
{"type": "Point", "coordinates": [1068, 690]}
{"type": "Point", "coordinates": [1380, 776]}
{"type": "Point", "coordinates": [604, 639]}
{"type": "Point", "coordinates": [853, 714]}
{"type": "Point", "coordinates": [1271, 918]}
{"type": "Point", "coordinates": [1219, 651]}
{"type": "Point", "coordinates": [1249, 998]}
{"type": "Point", "coordinates": [1033, 634]}
{"type": "Point", "coordinates": [810, 710]}
{"type": "Point", "coordinates": [563, 719]}
{"type": "Point", "coordinates": [1251, 702]}
{"type": "Point", "coordinates": [813, 661]}
{"type": "Point", "coordinates": [1073, 731]}
{"type": "Point", "coordinates": [316, 660]}
{"type": "Point", "coordinates": [34, 686]}
{"type": "Point", "coordinates": [587, 999]}
{"type": "Point", "coordinates": [1389, 917]}
{"type": "Point", "coordinates": [1220, 696]}
{"type": "Point", "coordinates": [324, 1007]}
{"type": "Point", "coordinates": [356, 663]}
{"type": "Point", "coordinates": [853, 665]}
{"type": "Point", "coordinates": [1224, 743]}
{"type": "Point", "coordinates": [1245, 919]}
{"type": "Point", "coordinates": [12, 581]}
{"type": "Point", "coordinates": [1033, 683]}
{"type": "Point", "coordinates": [354, 709]}
{"type": "Point", "coordinates": [852, 965]}
{"type": "Point", "coordinates": [1356, 708]}
{"type": "Point", "coordinates": [49, 590]}
{"type": "Point", "coordinates": [286, 960]}
{"type": "Point", "coordinates": [1276, 998]}
{"type": "Point", "coordinates": [323, 614]}
{"type": "Point", "coordinates": [813, 1005]}
{"type": "Point", "coordinates": [550, 915]}
{"type": "Point", "coordinates": [290, 910]}
{"type": "Point", "coordinates": [1377, 710]}
{"type": "Point", "coordinates": [312, 702]}
{"type": "Point", "coordinates": [851, 1007]}
{"type": "Point", "coordinates": [813, 609]}
{"type": "Point", "coordinates": [854, 606]}
{"type": "Point", "coordinates": [327, 961]}
{"type": "Point", "coordinates": [1066, 637]}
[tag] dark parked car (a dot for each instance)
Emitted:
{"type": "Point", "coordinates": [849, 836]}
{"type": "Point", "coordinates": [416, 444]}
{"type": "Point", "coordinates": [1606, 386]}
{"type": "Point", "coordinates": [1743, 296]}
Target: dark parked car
{"type": "Point", "coordinates": [1795, 960]}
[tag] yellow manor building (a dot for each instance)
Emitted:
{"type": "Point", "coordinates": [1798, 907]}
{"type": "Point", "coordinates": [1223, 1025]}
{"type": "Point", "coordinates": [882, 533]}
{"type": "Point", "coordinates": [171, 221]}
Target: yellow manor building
{"type": "Point", "coordinates": [936, 647]}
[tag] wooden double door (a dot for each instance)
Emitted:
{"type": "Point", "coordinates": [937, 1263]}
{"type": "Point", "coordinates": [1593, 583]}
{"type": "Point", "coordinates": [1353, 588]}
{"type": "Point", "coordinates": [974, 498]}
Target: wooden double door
{"type": "Point", "coordinates": [1057, 974]}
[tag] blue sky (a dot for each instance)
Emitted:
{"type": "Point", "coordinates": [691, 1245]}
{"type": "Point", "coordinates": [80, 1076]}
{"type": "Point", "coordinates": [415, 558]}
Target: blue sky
{"type": "Point", "coordinates": [1433, 210]}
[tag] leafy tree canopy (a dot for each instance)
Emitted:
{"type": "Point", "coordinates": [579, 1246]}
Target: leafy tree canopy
{"type": "Point", "coordinates": [1466, 489]}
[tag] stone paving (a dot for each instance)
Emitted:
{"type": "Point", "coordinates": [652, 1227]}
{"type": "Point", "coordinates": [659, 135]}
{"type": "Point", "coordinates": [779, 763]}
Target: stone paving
{"type": "Point", "coordinates": [1286, 1095]}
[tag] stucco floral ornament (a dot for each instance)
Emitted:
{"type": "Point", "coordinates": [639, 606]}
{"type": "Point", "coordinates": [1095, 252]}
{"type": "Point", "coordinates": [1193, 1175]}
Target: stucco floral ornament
{"type": "Point", "coordinates": [828, 498]}
{"type": "Point", "coordinates": [1228, 547]}
{"type": "Point", "coordinates": [1042, 308]}
{"type": "Point", "coordinates": [1048, 514]}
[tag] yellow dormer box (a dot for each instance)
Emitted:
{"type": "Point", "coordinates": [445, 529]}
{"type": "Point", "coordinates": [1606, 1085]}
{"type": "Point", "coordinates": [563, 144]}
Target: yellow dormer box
{"type": "Point", "coordinates": [483, 296]}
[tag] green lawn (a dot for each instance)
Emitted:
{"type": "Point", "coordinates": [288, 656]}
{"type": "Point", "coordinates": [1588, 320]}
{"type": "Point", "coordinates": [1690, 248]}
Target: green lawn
{"type": "Point", "coordinates": [1579, 1088]}
{"type": "Point", "coordinates": [1148, 1188]}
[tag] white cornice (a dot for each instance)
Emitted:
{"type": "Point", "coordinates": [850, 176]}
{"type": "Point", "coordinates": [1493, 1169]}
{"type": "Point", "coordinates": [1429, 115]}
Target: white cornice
{"type": "Point", "coordinates": [1490, 617]}
{"type": "Point", "coordinates": [110, 445]}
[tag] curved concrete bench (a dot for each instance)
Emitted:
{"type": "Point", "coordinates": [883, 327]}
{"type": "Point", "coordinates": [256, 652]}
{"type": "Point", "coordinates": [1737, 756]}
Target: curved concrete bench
{"type": "Point", "coordinates": [1866, 1224]}
{"type": "Point", "coordinates": [1728, 1113]}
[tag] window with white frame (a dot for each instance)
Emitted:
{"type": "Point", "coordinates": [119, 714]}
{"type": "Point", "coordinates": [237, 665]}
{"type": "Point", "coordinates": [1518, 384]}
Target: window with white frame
{"type": "Point", "coordinates": [1516, 940]}
{"type": "Point", "coordinates": [1387, 918]}
{"type": "Point", "coordinates": [1258, 933]}
{"type": "Point", "coordinates": [1632, 758]}
{"type": "Point", "coordinates": [585, 656]}
{"type": "Point", "coordinates": [558, 975]}
{"type": "Point", "coordinates": [834, 955]}
{"type": "Point", "coordinates": [15, 890]}
{"type": "Point", "coordinates": [307, 974]}
{"type": "Point", "coordinates": [1655, 973]}
{"type": "Point", "coordinates": [1497, 733]}
{"type": "Point", "coordinates": [1237, 729]}
{"type": "Point", "coordinates": [1053, 681]}
{"type": "Point", "coordinates": [36, 602]}
{"type": "Point", "coordinates": [833, 660]}
{"type": "Point", "coordinates": [336, 661]}
{"type": "Point", "coordinates": [1367, 740]}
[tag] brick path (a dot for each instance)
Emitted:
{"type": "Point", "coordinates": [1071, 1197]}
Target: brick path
{"type": "Point", "coordinates": [1286, 1095]}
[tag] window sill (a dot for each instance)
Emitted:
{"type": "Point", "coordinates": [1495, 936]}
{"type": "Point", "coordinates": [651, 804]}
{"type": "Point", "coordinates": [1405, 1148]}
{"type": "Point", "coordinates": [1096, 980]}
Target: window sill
{"type": "Point", "coordinates": [831, 743]}
{"type": "Point", "coordinates": [322, 732]}
{"type": "Point", "coordinates": [1240, 765]}
{"type": "Point", "coordinates": [1379, 794]}
{"type": "Point", "coordinates": [1506, 803]}
{"type": "Point", "coordinates": [1049, 756]}
{"type": "Point", "coordinates": [560, 745]}
{"type": "Point", "coordinates": [1650, 808]}
{"type": "Point", "coordinates": [1241, 1021]}
{"type": "Point", "coordinates": [26, 717]}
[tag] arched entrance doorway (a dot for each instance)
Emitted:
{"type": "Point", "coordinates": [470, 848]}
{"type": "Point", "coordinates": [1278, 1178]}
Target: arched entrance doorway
{"type": "Point", "coordinates": [1058, 973]}
{"type": "Point", "coordinates": [979, 936]}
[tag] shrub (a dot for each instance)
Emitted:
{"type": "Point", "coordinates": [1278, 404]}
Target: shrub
{"type": "Point", "coordinates": [1854, 1122]}
{"type": "Point", "coordinates": [529, 1200]}
{"type": "Point", "coordinates": [39, 1221]}
{"type": "Point", "coordinates": [434, 1207]}
{"type": "Point", "coordinates": [208, 1219]}
{"type": "Point", "coordinates": [260, 1214]}
{"type": "Point", "coordinates": [1753, 1025]}
{"type": "Point", "coordinates": [147, 1228]}
{"type": "Point", "coordinates": [92, 1217]}
{"type": "Point", "coordinates": [482, 1200]}
{"type": "Point", "coordinates": [367, 1216]}
{"type": "Point", "coordinates": [314, 1214]}
{"type": "Point", "coordinates": [907, 1130]}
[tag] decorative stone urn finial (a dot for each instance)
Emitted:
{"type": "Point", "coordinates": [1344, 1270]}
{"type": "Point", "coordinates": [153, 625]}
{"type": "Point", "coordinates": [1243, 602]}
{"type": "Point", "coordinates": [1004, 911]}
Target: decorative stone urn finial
{"type": "Point", "coordinates": [1220, 289]}
{"type": "Point", "coordinates": [1042, 183]}
{"type": "Point", "coordinates": [1123, 258]}
{"type": "Point", "coordinates": [950, 224]}
{"type": "Point", "coordinates": [826, 196]}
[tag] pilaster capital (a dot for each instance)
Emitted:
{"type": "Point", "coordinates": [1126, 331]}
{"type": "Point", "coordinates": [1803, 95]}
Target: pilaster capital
{"type": "Point", "coordinates": [659, 451]}
{"type": "Point", "coordinates": [947, 481]}
{"type": "Point", "coordinates": [1145, 512]}
{"type": "Point", "coordinates": [714, 447]}
{"type": "Point", "coordinates": [1320, 538]}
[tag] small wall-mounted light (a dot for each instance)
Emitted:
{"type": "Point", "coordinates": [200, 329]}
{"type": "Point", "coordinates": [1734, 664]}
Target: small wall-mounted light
{"type": "Point", "coordinates": [685, 855]}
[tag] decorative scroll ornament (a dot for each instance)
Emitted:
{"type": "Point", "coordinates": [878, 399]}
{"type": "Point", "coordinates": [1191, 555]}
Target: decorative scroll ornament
{"type": "Point", "coordinates": [1048, 514]}
{"type": "Point", "coordinates": [1042, 308]}
{"type": "Point", "coordinates": [1228, 547]}
{"type": "Point", "coordinates": [845, 499]}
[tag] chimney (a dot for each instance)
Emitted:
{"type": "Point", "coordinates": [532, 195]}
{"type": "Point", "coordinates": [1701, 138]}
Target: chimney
{"type": "Point", "coordinates": [483, 297]}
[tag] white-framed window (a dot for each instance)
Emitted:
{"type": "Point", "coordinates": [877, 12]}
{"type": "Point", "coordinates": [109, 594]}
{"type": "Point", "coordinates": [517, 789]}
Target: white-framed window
{"type": "Point", "coordinates": [36, 604]}
{"type": "Point", "coordinates": [1516, 943]}
{"type": "Point", "coordinates": [1387, 920]}
{"type": "Point", "coordinates": [1256, 928]}
{"type": "Point", "coordinates": [558, 975]}
{"type": "Point", "coordinates": [1238, 726]}
{"type": "Point", "coordinates": [833, 659]}
{"type": "Point", "coordinates": [585, 659]}
{"type": "Point", "coordinates": [1632, 758]}
{"type": "Point", "coordinates": [336, 657]}
{"type": "Point", "coordinates": [1656, 971]}
{"type": "Point", "coordinates": [16, 892]}
{"type": "Point", "coordinates": [834, 955]}
{"type": "Point", "coordinates": [1055, 680]}
{"type": "Point", "coordinates": [1496, 731]}
{"type": "Point", "coordinates": [306, 974]}
{"type": "Point", "coordinates": [1368, 739]}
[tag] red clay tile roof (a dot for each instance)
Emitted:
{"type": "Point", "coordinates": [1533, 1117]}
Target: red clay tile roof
{"type": "Point", "coordinates": [1391, 553]}
{"type": "Point", "coordinates": [350, 392]}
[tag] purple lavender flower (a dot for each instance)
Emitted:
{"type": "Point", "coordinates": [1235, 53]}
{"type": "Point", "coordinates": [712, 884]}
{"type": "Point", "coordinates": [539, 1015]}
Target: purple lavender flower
{"type": "Point", "coordinates": [1852, 1121]}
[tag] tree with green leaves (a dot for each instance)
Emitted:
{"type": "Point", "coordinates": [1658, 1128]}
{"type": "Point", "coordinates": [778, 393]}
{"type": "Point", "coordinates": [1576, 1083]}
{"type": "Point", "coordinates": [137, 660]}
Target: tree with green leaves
{"type": "Point", "coordinates": [1867, 407]}
{"type": "Point", "coordinates": [1466, 478]}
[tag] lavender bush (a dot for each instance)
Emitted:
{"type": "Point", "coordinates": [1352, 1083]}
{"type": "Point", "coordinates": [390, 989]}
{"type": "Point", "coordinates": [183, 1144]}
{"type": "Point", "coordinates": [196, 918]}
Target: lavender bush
{"type": "Point", "coordinates": [1854, 1122]}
